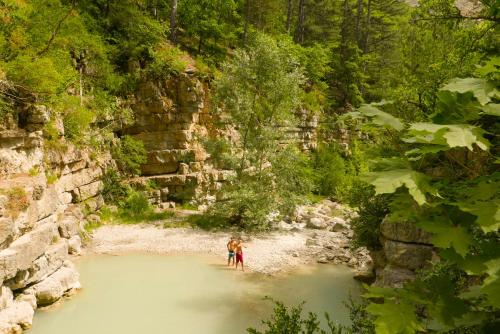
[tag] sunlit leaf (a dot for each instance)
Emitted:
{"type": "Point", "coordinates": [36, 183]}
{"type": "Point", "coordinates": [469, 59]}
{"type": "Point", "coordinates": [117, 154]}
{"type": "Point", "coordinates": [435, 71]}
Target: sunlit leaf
{"type": "Point", "coordinates": [492, 109]}
{"type": "Point", "coordinates": [446, 235]}
{"type": "Point", "coordinates": [388, 182]}
{"type": "Point", "coordinates": [459, 135]}
{"type": "Point", "coordinates": [491, 285]}
{"type": "Point", "coordinates": [481, 88]}
{"type": "Point", "coordinates": [380, 117]}
{"type": "Point", "coordinates": [394, 318]}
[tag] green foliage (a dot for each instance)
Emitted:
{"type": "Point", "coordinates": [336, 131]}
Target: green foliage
{"type": "Point", "coordinates": [167, 60]}
{"type": "Point", "coordinates": [136, 203]}
{"type": "Point", "coordinates": [17, 200]}
{"type": "Point", "coordinates": [289, 320]}
{"type": "Point", "coordinates": [333, 174]}
{"type": "Point", "coordinates": [220, 153]}
{"type": "Point", "coordinates": [113, 188]}
{"type": "Point", "coordinates": [209, 20]}
{"type": "Point", "coordinates": [129, 155]}
{"type": "Point", "coordinates": [77, 122]}
{"type": "Point", "coordinates": [371, 211]}
{"type": "Point", "coordinates": [458, 204]}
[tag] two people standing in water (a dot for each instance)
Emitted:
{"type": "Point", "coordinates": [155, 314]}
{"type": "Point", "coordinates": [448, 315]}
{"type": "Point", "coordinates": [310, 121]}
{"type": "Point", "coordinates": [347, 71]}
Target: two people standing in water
{"type": "Point", "coordinates": [235, 249]}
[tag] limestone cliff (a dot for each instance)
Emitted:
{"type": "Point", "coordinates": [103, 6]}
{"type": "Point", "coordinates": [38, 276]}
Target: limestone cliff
{"type": "Point", "coordinates": [44, 193]}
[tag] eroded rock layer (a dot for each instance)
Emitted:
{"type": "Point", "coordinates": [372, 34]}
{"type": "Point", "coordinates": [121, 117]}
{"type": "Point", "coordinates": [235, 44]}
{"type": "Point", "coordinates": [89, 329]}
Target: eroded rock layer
{"type": "Point", "coordinates": [44, 193]}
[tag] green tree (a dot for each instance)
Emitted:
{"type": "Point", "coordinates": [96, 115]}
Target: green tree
{"type": "Point", "coordinates": [260, 88]}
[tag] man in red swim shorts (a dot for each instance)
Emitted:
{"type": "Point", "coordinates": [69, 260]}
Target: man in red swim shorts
{"type": "Point", "coordinates": [239, 254]}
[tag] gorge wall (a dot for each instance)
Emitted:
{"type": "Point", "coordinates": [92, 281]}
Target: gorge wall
{"type": "Point", "coordinates": [45, 195]}
{"type": "Point", "coordinates": [172, 120]}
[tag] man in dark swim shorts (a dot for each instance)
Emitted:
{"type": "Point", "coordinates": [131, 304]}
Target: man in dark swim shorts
{"type": "Point", "coordinates": [231, 247]}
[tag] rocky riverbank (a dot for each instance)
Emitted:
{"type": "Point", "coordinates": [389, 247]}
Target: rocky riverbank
{"type": "Point", "coordinates": [316, 236]}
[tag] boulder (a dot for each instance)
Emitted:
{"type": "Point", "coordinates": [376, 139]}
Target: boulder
{"type": "Point", "coordinates": [6, 230]}
{"type": "Point", "coordinates": [23, 251]}
{"type": "Point", "coordinates": [69, 226]}
{"type": "Point", "coordinates": [393, 276]}
{"type": "Point", "coordinates": [411, 256]}
{"type": "Point", "coordinates": [75, 245]}
{"type": "Point", "coordinates": [17, 317]}
{"type": "Point", "coordinates": [339, 225]}
{"type": "Point", "coordinates": [6, 297]}
{"type": "Point", "coordinates": [53, 287]}
{"type": "Point", "coordinates": [317, 223]}
{"type": "Point", "coordinates": [38, 114]}
{"type": "Point", "coordinates": [365, 273]}
{"type": "Point", "coordinates": [45, 265]}
{"type": "Point", "coordinates": [406, 232]}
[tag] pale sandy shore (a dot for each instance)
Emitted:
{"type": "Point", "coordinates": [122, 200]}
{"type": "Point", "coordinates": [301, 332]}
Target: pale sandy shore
{"type": "Point", "coordinates": [268, 253]}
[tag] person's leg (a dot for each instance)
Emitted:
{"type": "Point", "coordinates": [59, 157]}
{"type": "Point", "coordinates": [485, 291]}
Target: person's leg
{"type": "Point", "coordinates": [228, 259]}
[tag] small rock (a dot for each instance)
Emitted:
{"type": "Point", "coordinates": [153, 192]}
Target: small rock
{"type": "Point", "coordinates": [38, 192]}
{"type": "Point", "coordinates": [75, 245]}
{"type": "Point", "coordinates": [183, 168]}
{"type": "Point", "coordinates": [282, 225]}
{"type": "Point", "coordinates": [322, 260]}
{"type": "Point", "coordinates": [94, 219]}
{"type": "Point", "coordinates": [317, 223]}
{"type": "Point", "coordinates": [311, 242]}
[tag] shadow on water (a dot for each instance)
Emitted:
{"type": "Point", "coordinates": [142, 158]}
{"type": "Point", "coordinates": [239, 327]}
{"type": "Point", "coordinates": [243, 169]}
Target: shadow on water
{"type": "Point", "coordinates": [179, 294]}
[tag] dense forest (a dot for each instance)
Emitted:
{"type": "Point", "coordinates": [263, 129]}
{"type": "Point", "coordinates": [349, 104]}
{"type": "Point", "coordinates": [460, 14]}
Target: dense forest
{"type": "Point", "coordinates": [405, 94]}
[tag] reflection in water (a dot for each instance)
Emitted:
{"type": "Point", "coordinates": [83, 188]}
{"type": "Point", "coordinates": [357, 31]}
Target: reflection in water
{"type": "Point", "coordinates": [139, 294]}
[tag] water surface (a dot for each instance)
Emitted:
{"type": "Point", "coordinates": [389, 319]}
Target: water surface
{"type": "Point", "coordinates": [139, 294]}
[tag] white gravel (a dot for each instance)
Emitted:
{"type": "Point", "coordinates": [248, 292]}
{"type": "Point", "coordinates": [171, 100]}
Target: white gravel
{"type": "Point", "coordinates": [268, 253]}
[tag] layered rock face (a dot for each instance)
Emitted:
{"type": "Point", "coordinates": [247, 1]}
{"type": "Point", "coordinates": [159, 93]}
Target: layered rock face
{"type": "Point", "coordinates": [406, 249]}
{"type": "Point", "coordinates": [42, 192]}
{"type": "Point", "coordinates": [172, 119]}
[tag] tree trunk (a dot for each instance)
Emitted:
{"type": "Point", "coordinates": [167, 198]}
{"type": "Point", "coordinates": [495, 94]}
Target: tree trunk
{"type": "Point", "coordinates": [367, 28]}
{"type": "Point", "coordinates": [358, 22]}
{"type": "Point", "coordinates": [200, 44]}
{"type": "Point", "coordinates": [300, 24]}
{"type": "Point", "coordinates": [247, 18]}
{"type": "Point", "coordinates": [289, 13]}
{"type": "Point", "coordinates": [173, 22]}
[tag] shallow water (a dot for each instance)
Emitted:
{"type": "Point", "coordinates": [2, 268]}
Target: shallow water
{"type": "Point", "coordinates": [139, 294]}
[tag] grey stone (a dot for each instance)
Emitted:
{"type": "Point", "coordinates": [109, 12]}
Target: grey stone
{"type": "Point", "coordinates": [6, 297]}
{"type": "Point", "coordinates": [19, 315]}
{"type": "Point", "coordinates": [42, 267]}
{"type": "Point", "coordinates": [411, 256]}
{"type": "Point", "coordinates": [6, 230]}
{"type": "Point", "coordinates": [393, 276]}
{"type": "Point", "coordinates": [23, 251]}
{"type": "Point", "coordinates": [75, 245]}
{"type": "Point", "coordinates": [406, 232]}
{"type": "Point", "coordinates": [69, 226]}
{"type": "Point", "coordinates": [53, 287]}
{"type": "Point", "coordinates": [317, 223]}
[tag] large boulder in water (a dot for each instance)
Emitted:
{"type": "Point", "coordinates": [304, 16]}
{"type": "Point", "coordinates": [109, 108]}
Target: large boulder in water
{"type": "Point", "coordinates": [53, 287]}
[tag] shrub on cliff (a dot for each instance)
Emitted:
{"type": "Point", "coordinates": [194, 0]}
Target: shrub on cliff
{"type": "Point", "coordinates": [129, 154]}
